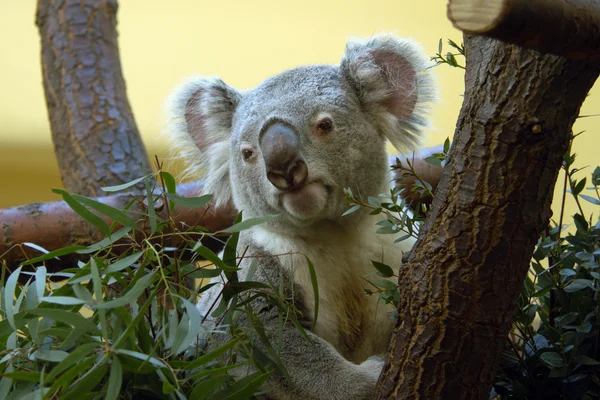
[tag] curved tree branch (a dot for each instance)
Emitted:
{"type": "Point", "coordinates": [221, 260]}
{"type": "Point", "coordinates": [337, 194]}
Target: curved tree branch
{"type": "Point", "coordinates": [95, 137]}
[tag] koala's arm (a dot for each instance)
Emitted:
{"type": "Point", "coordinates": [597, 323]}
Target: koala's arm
{"type": "Point", "coordinates": [315, 369]}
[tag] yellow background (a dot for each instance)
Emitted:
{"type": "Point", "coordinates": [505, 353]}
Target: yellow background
{"type": "Point", "coordinates": [242, 41]}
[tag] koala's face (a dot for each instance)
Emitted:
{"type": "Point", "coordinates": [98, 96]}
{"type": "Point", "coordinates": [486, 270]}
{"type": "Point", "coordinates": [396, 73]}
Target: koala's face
{"type": "Point", "coordinates": [294, 143]}
{"type": "Point", "coordinates": [297, 141]}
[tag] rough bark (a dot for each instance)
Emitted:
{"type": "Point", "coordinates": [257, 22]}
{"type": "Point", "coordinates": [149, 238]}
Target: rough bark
{"type": "Point", "coordinates": [570, 28]}
{"type": "Point", "coordinates": [32, 222]}
{"type": "Point", "coordinates": [96, 141]}
{"type": "Point", "coordinates": [458, 290]}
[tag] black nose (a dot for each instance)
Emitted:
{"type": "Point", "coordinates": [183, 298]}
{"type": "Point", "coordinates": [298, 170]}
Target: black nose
{"type": "Point", "coordinates": [281, 150]}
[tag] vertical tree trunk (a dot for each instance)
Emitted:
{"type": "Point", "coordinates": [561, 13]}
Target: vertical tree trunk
{"type": "Point", "coordinates": [95, 137]}
{"type": "Point", "coordinates": [458, 290]}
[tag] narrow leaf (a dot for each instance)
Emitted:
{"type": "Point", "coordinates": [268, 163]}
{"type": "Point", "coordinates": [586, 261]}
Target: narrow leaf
{"type": "Point", "coordinates": [123, 263]}
{"type": "Point", "coordinates": [142, 357]}
{"type": "Point", "coordinates": [109, 211]}
{"type": "Point", "coordinates": [54, 254]}
{"type": "Point", "coordinates": [189, 202]}
{"type": "Point", "coordinates": [115, 380]}
{"type": "Point", "coordinates": [82, 211]}
{"type": "Point", "coordinates": [249, 223]}
{"type": "Point", "coordinates": [9, 294]}
{"type": "Point", "coordinates": [63, 300]}
{"type": "Point", "coordinates": [124, 186]}
{"type": "Point", "coordinates": [132, 295]}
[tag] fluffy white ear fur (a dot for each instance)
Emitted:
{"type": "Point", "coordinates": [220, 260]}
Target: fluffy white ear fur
{"type": "Point", "coordinates": [201, 112]}
{"type": "Point", "coordinates": [394, 84]}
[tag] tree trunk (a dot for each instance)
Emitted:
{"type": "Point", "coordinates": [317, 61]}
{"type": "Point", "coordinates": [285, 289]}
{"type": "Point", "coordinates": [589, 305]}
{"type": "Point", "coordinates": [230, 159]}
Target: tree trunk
{"type": "Point", "coordinates": [459, 289]}
{"type": "Point", "coordinates": [95, 137]}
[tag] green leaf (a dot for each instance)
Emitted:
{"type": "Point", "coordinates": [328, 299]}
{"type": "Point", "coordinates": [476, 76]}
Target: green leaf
{"type": "Point", "coordinates": [51, 355]}
{"type": "Point", "coordinates": [579, 187]}
{"type": "Point", "coordinates": [567, 272]}
{"type": "Point", "coordinates": [86, 383]}
{"type": "Point", "coordinates": [194, 328]}
{"type": "Point", "coordinates": [124, 186]}
{"type": "Point", "coordinates": [109, 211]}
{"type": "Point", "coordinates": [203, 272]}
{"type": "Point", "coordinates": [142, 357]}
{"type": "Point", "coordinates": [446, 145]}
{"type": "Point", "coordinates": [374, 202]}
{"type": "Point", "coordinates": [150, 200]}
{"type": "Point", "coordinates": [122, 263]}
{"type": "Point", "coordinates": [9, 294]}
{"type": "Point", "coordinates": [170, 186]}
{"type": "Point", "coordinates": [249, 223]}
{"type": "Point", "coordinates": [351, 210]}
{"type": "Point", "coordinates": [23, 376]}
{"type": "Point", "coordinates": [209, 255]}
{"type": "Point", "coordinates": [585, 360]}
{"type": "Point", "coordinates": [384, 270]}
{"type": "Point", "coordinates": [315, 287]}
{"type": "Point", "coordinates": [591, 199]}
{"type": "Point", "coordinates": [189, 202]}
{"type": "Point", "coordinates": [70, 374]}
{"type": "Point", "coordinates": [40, 279]}
{"type": "Point", "coordinates": [63, 300]}
{"type": "Point", "coordinates": [243, 388]}
{"type": "Point", "coordinates": [204, 359]}
{"type": "Point", "coordinates": [552, 359]}
{"type": "Point", "coordinates": [115, 380]}
{"type": "Point", "coordinates": [106, 242]}
{"type": "Point", "coordinates": [169, 181]}
{"type": "Point", "coordinates": [132, 295]}
{"type": "Point", "coordinates": [433, 160]}
{"type": "Point", "coordinates": [577, 285]}
{"type": "Point", "coordinates": [82, 211]}
{"type": "Point", "coordinates": [384, 283]}
{"type": "Point", "coordinates": [205, 388]}
{"type": "Point", "coordinates": [53, 254]}
{"type": "Point", "coordinates": [73, 358]}
{"type": "Point", "coordinates": [72, 318]}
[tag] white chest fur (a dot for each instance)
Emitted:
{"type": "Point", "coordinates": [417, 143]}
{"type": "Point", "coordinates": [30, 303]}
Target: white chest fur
{"type": "Point", "coordinates": [356, 324]}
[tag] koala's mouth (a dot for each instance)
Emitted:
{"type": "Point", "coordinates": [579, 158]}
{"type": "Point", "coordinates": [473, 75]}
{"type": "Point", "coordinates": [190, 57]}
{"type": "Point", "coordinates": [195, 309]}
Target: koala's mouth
{"type": "Point", "coordinates": [307, 201]}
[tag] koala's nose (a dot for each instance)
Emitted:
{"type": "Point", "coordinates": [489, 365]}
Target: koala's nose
{"type": "Point", "coordinates": [280, 147]}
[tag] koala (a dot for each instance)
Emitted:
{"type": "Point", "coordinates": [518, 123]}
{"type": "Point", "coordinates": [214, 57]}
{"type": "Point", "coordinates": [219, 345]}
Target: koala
{"type": "Point", "coordinates": [290, 147]}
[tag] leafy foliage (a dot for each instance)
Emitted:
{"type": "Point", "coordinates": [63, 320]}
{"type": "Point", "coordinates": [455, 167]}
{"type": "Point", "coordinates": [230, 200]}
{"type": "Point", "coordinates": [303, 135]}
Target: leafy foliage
{"type": "Point", "coordinates": [553, 350]}
{"type": "Point", "coordinates": [123, 324]}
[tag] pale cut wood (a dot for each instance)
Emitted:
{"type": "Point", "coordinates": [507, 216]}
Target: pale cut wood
{"type": "Point", "coordinates": [568, 28]}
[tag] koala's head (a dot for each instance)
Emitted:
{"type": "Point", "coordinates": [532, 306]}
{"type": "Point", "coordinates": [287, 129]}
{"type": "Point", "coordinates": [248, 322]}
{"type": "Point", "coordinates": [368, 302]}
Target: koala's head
{"type": "Point", "coordinates": [291, 145]}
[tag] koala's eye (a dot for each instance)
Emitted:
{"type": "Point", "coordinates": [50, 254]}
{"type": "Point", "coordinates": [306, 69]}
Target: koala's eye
{"type": "Point", "coordinates": [325, 125]}
{"type": "Point", "coordinates": [247, 153]}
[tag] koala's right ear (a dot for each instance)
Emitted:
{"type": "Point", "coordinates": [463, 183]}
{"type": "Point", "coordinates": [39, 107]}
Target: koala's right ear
{"type": "Point", "coordinates": [392, 79]}
{"type": "Point", "coordinates": [200, 118]}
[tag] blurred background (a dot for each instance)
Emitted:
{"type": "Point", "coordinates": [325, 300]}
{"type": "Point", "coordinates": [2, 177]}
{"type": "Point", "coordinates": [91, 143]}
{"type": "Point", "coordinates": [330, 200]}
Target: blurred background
{"type": "Point", "coordinates": [243, 42]}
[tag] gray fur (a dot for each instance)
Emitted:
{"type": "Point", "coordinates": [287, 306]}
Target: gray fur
{"type": "Point", "coordinates": [380, 92]}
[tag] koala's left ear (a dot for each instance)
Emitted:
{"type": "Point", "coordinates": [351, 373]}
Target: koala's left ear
{"type": "Point", "coordinates": [200, 119]}
{"type": "Point", "coordinates": [393, 82]}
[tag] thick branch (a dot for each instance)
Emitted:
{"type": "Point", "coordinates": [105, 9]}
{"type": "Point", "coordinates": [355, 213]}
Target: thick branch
{"type": "Point", "coordinates": [458, 290]}
{"type": "Point", "coordinates": [95, 137]}
{"type": "Point", "coordinates": [570, 28]}
{"type": "Point", "coordinates": [32, 222]}
{"type": "Point", "coordinates": [55, 225]}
